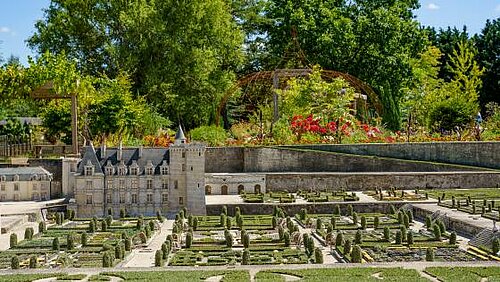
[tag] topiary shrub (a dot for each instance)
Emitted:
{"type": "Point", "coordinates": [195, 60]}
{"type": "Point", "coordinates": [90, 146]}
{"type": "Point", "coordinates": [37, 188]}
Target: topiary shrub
{"type": "Point", "coordinates": [286, 238]}
{"type": "Point", "coordinates": [336, 210]}
{"type": "Point", "coordinates": [189, 240]}
{"type": "Point", "coordinates": [246, 257]}
{"type": "Point", "coordinates": [339, 239]}
{"type": "Point", "coordinates": [229, 222]}
{"type": "Point", "coordinates": [84, 239]}
{"type": "Point", "coordinates": [356, 254]}
{"type": "Point", "coordinates": [28, 233]}
{"type": "Point", "coordinates": [495, 246]}
{"type": "Point", "coordinates": [409, 238]}
{"type": "Point", "coordinates": [358, 238]}
{"type": "Point", "coordinates": [387, 234]}
{"type": "Point", "coordinates": [13, 240]}
{"type": "Point", "coordinates": [355, 218]}
{"type": "Point", "coordinates": [128, 244]}
{"type": "Point", "coordinates": [428, 222]}
{"type": "Point", "coordinates": [70, 245]}
{"type": "Point", "coordinates": [14, 262]}
{"type": "Point", "coordinates": [104, 226]}
{"type": "Point", "coordinates": [376, 222]}
{"type": "Point", "coordinates": [349, 210]}
{"type": "Point", "coordinates": [122, 213]}
{"type": "Point", "coordinates": [363, 222]}
{"type": "Point", "coordinates": [33, 262]}
{"type": "Point", "coordinates": [318, 256]}
{"type": "Point", "coordinates": [437, 232]}
{"type": "Point", "coordinates": [55, 244]}
{"type": "Point", "coordinates": [429, 254]}
{"type": "Point", "coordinates": [453, 238]}
{"type": "Point", "coordinates": [347, 247]}
{"type": "Point", "coordinates": [42, 227]}
{"type": "Point", "coordinates": [399, 238]}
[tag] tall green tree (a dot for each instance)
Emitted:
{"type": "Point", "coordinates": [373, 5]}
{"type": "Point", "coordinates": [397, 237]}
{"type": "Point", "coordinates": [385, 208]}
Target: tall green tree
{"type": "Point", "coordinates": [488, 56]}
{"type": "Point", "coordinates": [180, 55]}
{"type": "Point", "coordinates": [372, 40]}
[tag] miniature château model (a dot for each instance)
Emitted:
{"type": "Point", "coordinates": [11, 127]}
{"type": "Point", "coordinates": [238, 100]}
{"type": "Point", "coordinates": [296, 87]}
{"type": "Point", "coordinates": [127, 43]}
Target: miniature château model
{"type": "Point", "coordinates": [24, 184]}
{"type": "Point", "coordinates": [139, 180]}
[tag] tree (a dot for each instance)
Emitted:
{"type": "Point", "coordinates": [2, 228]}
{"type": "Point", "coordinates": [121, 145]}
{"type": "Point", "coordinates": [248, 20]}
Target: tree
{"type": "Point", "coordinates": [399, 238]}
{"type": "Point", "coordinates": [347, 247]}
{"type": "Point", "coordinates": [189, 240]}
{"type": "Point", "coordinates": [453, 238]}
{"type": "Point", "coordinates": [339, 239]}
{"type": "Point", "coordinates": [488, 56]}
{"type": "Point", "coordinates": [33, 262]}
{"type": "Point", "coordinates": [387, 234]}
{"type": "Point", "coordinates": [286, 239]}
{"type": "Point", "coordinates": [376, 222]}
{"type": "Point", "coordinates": [107, 37]}
{"type": "Point", "coordinates": [70, 245]}
{"type": "Point", "coordinates": [345, 36]}
{"type": "Point", "coordinates": [358, 238]}
{"type": "Point", "coordinates": [495, 246]}
{"type": "Point", "coordinates": [28, 233]}
{"type": "Point", "coordinates": [104, 226]}
{"type": "Point", "coordinates": [42, 227]}
{"type": "Point", "coordinates": [363, 222]}
{"type": "Point", "coordinates": [437, 232]}
{"type": "Point", "coordinates": [158, 258]}
{"type": "Point", "coordinates": [409, 238]}
{"type": "Point", "coordinates": [84, 239]}
{"type": "Point", "coordinates": [336, 210]}
{"type": "Point", "coordinates": [429, 254]}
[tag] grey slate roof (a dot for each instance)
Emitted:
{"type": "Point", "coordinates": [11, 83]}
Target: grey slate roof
{"type": "Point", "coordinates": [24, 173]}
{"type": "Point", "coordinates": [179, 135]}
{"type": "Point", "coordinates": [129, 155]}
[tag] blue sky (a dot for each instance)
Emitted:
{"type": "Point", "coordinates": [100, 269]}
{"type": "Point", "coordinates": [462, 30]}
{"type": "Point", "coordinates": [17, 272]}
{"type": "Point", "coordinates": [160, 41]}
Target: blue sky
{"type": "Point", "coordinates": [17, 19]}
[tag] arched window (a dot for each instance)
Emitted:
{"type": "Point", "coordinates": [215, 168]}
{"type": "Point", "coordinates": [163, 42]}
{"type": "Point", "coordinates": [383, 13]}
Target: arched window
{"type": "Point", "coordinates": [241, 189]}
{"type": "Point", "coordinates": [208, 190]}
{"type": "Point", "coordinates": [223, 190]}
{"type": "Point", "coordinates": [257, 189]}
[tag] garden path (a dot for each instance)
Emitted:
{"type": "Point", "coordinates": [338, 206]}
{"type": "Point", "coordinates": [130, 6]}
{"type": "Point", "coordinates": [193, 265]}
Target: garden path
{"type": "Point", "coordinates": [19, 230]}
{"type": "Point", "coordinates": [327, 256]}
{"type": "Point", "coordinates": [145, 256]}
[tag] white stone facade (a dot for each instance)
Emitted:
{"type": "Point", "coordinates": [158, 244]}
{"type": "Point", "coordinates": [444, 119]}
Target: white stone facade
{"type": "Point", "coordinates": [25, 184]}
{"type": "Point", "coordinates": [234, 183]}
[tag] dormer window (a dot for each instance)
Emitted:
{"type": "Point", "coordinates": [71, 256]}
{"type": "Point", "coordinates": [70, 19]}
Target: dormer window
{"type": "Point", "coordinates": [164, 170]}
{"type": "Point", "coordinates": [89, 169]}
{"type": "Point", "coordinates": [34, 177]}
{"type": "Point", "coordinates": [122, 169]}
{"type": "Point", "coordinates": [2, 178]}
{"type": "Point", "coordinates": [16, 177]}
{"type": "Point", "coordinates": [109, 168]}
{"type": "Point", "coordinates": [149, 168]}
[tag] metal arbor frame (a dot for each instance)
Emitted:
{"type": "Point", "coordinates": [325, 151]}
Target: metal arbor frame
{"type": "Point", "coordinates": [278, 74]}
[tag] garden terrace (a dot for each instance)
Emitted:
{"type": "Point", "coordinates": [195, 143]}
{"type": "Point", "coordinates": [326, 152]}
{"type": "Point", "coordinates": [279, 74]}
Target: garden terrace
{"type": "Point", "coordinates": [333, 196]}
{"type": "Point", "coordinates": [396, 195]}
{"type": "Point", "coordinates": [79, 242]}
{"type": "Point", "coordinates": [271, 197]}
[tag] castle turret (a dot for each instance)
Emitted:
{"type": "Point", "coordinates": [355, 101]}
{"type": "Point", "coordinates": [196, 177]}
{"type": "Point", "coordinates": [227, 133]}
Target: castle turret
{"type": "Point", "coordinates": [180, 138]}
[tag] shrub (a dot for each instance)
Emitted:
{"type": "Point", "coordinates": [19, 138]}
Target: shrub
{"type": "Point", "coordinates": [303, 214]}
{"type": "Point", "coordinates": [122, 213]}
{"type": "Point", "coordinates": [128, 244]}
{"type": "Point", "coordinates": [104, 226]}
{"type": "Point", "coordinates": [13, 240]}
{"type": "Point", "coordinates": [339, 239]}
{"type": "Point", "coordinates": [70, 245]}
{"type": "Point", "coordinates": [189, 239]}
{"type": "Point", "coordinates": [363, 222]}
{"type": "Point", "coordinates": [109, 220]}
{"type": "Point", "coordinates": [246, 257]}
{"type": "Point", "coordinates": [107, 261]}
{"type": "Point", "coordinates": [409, 238]}
{"type": "Point", "coordinates": [453, 238]}
{"type": "Point", "coordinates": [92, 226]}
{"type": "Point", "coordinates": [239, 221]}
{"type": "Point", "coordinates": [442, 227]}
{"type": "Point", "coordinates": [447, 114]}
{"type": "Point", "coordinates": [356, 254]}
{"type": "Point", "coordinates": [14, 262]}
{"type": "Point", "coordinates": [399, 238]}
{"type": "Point", "coordinates": [376, 222]}
{"type": "Point", "coordinates": [334, 223]}
{"type": "Point", "coordinates": [355, 218]}
{"type": "Point", "coordinates": [165, 251]}
{"type": "Point", "coordinates": [55, 244]}
{"type": "Point", "coordinates": [33, 262]}
{"type": "Point", "coordinates": [159, 216]}
{"type": "Point", "coordinates": [212, 135]}
{"type": "Point", "coordinates": [429, 254]}
{"type": "Point", "coordinates": [222, 219]}
{"type": "Point", "coordinates": [495, 246]}
{"type": "Point", "coordinates": [310, 246]}
{"type": "Point", "coordinates": [143, 238]}
{"type": "Point", "coordinates": [84, 238]}
{"type": "Point", "coordinates": [229, 239]}
{"type": "Point", "coordinates": [28, 233]}
{"type": "Point", "coordinates": [229, 222]}
{"type": "Point", "coordinates": [319, 224]}
{"type": "Point", "coordinates": [410, 216]}
{"type": "Point", "coordinates": [406, 221]}
{"type": "Point", "coordinates": [42, 227]}
{"type": "Point", "coordinates": [151, 225]}
{"type": "Point", "coordinates": [428, 222]}
{"type": "Point", "coordinates": [336, 210]}
{"type": "Point", "coordinates": [387, 234]}
{"type": "Point", "coordinates": [358, 238]}
{"type": "Point", "coordinates": [437, 232]}
{"type": "Point", "coordinates": [158, 258]}
{"type": "Point", "coordinates": [286, 239]}
{"type": "Point", "coordinates": [392, 209]}
{"type": "Point", "coordinates": [318, 256]}
{"type": "Point", "coordinates": [347, 247]}
{"type": "Point", "coordinates": [349, 210]}
{"type": "Point", "coordinates": [403, 233]}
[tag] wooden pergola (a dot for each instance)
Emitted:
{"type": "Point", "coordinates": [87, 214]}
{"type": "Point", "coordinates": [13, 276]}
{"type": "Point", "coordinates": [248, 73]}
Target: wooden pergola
{"type": "Point", "coordinates": [46, 91]}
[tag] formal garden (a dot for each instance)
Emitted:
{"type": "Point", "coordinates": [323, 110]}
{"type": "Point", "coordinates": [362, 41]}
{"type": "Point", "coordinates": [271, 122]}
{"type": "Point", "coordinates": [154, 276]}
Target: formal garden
{"type": "Point", "coordinates": [66, 241]}
{"type": "Point", "coordinates": [308, 196]}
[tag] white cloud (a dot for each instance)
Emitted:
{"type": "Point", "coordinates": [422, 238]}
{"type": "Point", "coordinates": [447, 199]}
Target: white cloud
{"type": "Point", "coordinates": [432, 6]}
{"type": "Point", "coordinates": [4, 29]}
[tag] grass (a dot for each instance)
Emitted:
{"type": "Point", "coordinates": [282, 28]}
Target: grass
{"type": "Point", "coordinates": [340, 274]}
{"type": "Point", "coordinates": [29, 277]}
{"type": "Point", "coordinates": [475, 194]}
{"type": "Point", "coordinates": [228, 276]}
{"type": "Point", "coordinates": [464, 273]}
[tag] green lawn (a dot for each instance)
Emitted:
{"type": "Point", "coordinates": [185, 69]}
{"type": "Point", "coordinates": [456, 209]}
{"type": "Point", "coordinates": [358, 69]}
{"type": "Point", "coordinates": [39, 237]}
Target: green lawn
{"type": "Point", "coordinates": [229, 276]}
{"type": "Point", "coordinates": [466, 274]}
{"type": "Point", "coordinates": [342, 274]}
{"type": "Point", "coordinates": [475, 194]}
{"type": "Point", "coordinates": [28, 277]}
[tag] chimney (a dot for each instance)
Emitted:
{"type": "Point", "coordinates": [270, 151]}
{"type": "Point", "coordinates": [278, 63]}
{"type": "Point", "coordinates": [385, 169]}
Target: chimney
{"type": "Point", "coordinates": [103, 149]}
{"type": "Point", "coordinates": [120, 151]}
{"type": "Point", "coordinates": [140, 151]}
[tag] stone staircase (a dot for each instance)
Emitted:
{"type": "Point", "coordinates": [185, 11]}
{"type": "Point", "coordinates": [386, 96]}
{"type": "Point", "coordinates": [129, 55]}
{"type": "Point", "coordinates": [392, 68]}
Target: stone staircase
{"type": "Point", "coordinates": [484, 238]}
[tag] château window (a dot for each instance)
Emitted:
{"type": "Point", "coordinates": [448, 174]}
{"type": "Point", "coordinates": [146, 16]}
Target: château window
{"type": "Point", "coordinates": [89, 170]}
{"type": "Point", "coordinates": [16, 186]}
{"type": "Point", "coordinates": [122, 170]}
{"type": "Point", "coordinates": [2, 178]}
{"type": "Point", "coordinates": [110, 184]}
{"type": "Point", "coordinates": [135, 183]}
{"type": "Point", "coordinates": [89, 184]}
{"type": "Point", "coordinates": [183, 167]}
{"type": "Point", "coordinates": [164, 184]}
{"type": "Point", "coordinates": [35, 186]}
{"type": "Point", "coordinates": [183, 154]}
{"type": "Point", "coordinates": [164, 198]}
{"type": "Point", "coordinates": [149, 198]}
{"type": "Point", "coordinates": [122, 183]}
{"type": "Point", "coordinates": [164, 170]}
{"type": "Point", "coordinates": [109, 170]}
{"type": "Point", "coordinates": [134, 170]}
{"type": "Point", "coordinates": [122, 198]}
{"type": "Point", "coordinates": [108, 199]}
{"type": "Point", "coordinates": [176, 184]}
{"type": "Point", "coordinates": [149, 171]}
{"type": "Point", "coordinates": [89, 199]}
{"type": "Point", "coordinates": [134, 198]}
{"type": "Point", "coordinates": [149, 184]}
{"type": "Point", "coordinates": [2, 187]}
{"type": "Point", "coordinates": [181, 201]}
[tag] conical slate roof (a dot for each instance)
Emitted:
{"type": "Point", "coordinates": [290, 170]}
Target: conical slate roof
{"type": "Point", "coordinates": [180, 138]}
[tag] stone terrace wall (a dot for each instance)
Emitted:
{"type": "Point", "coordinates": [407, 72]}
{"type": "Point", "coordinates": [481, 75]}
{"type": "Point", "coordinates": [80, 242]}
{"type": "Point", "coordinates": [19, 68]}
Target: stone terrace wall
{"type": "Point", "coordinates": [485, 154]}
{"type": "Point", "coordinates": [285, 160]}
{"type": "Point", "coordinates": [293, 182]}
{"type": "Point", "coordinates": [224, 159]}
